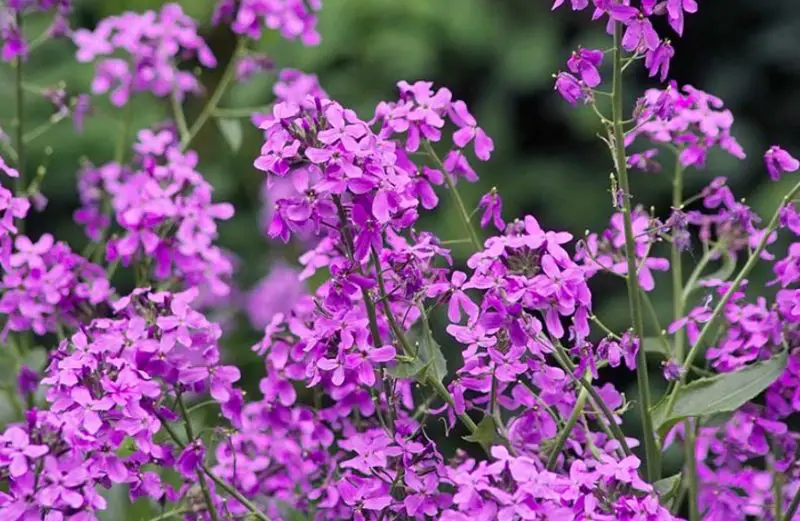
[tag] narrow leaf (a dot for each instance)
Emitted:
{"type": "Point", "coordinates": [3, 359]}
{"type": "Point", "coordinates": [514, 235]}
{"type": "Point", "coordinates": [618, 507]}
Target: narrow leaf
{"type": "Point", "coordinates": [232, 132]}
{"type": "Point", "coordinates": [719, 394]}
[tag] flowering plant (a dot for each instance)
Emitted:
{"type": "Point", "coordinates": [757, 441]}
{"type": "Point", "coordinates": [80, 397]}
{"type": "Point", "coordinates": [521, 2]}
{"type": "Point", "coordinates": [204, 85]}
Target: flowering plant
{"type": "Point", "coordinates": [354, 378]}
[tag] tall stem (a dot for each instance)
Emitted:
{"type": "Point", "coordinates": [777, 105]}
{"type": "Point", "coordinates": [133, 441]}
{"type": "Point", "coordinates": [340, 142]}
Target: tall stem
{"type": "Point", "coordinates": [187, 422]}
{"type": "Point", "coordinates": [224, 485]}
{"type": "Point", "coordinates": [652, 460]}
{"type": "Point", "coordinates": [677, 262]}
{"type": "Point", "coordinates": [577, 412]}
{"type": "Point", "coordinates": [690, 440]}
{"type": "Point", "coordinates": [216, 97]}
{"type": "Point", "coordinates": [20, 99]}
{"type": "Point", "coordinates": [462, 209]}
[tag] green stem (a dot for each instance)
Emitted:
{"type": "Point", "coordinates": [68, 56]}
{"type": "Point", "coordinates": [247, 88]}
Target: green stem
{"type": "Point", "coordinates": [792, 510]}
{"type": "Point", "coordinates": [734, 287]}
{"type": "Point", "coordinates": [577, 412]}
{"type": "Point", "coordinates": [653, 455]}
{"type": "Point", "coordinates": [462, 209]}
{"type": "Point", "coordinates": [690, 442]}
{"type": "Point", "coordinates": [180, 117]}
{"type": "Point", "coordinates": [678, 301]}
{"type": "Point", "coordinates": [240, 112]}
{"type": "Point", "coordinates": [172, 513]}
{"type": "Point", "coordinates": [187, 422]}
{"type": "Point", "coordinates": [691, 283]}
{"type": "Point", "coordinates": [123, 136]}
{"type": "Point", "coordinates": [216, 479]}
{"type": "Point", "coordinates": [563, 360]}
{"type": "Point", "coordinates": [651, 310]}
{"type": "Point", "coordinates": [20, 98]}
{"type": "Point", "coordinates": [216, 97]}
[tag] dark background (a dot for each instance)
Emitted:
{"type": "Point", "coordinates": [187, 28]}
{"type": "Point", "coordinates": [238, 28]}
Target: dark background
{"type": "Point", "coordinates": [498, 56]}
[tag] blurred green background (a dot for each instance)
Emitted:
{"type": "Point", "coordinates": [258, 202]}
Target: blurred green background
{"type": "Point", "coordinates": [498, 56]}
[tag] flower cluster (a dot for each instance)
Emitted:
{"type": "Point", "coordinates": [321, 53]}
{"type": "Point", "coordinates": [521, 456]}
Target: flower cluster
{"type": "Point", "coordinates": [14, 44]}
{"type": "Point", "coordinates": [165, 212]}
{"type": "Point", "coordinates": [153, 44]}
{"type": "Point", "coordinates": [294, 19]}
{"type": "Point", "coordinates": [688, 118]}
{"type": "Point", "coordinates": [45, 286]}
{"type": "Point", "coordinates": [638, 36]}
{"type": "Point", "coordinates": [354, 375]}
{"type": "Point", "coordinates": [108, 388]}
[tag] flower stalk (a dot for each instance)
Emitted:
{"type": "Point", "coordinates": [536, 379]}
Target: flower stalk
{"type": "Point", "coordinates": [652, 453]}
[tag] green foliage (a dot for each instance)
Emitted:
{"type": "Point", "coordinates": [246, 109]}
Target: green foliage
{"type": "Point", "coordinates": [719, 394]}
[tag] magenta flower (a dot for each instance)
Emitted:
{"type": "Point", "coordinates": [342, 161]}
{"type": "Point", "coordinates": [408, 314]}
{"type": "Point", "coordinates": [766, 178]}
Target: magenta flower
{"type": "Point", "coordinates": [585, 63]}
{"type": "Point", "coordinates": [17, 452]}
{"type": "Point", "coordinates": [657, 61]}
{"type": "Point", "coordinates": [470, 131]}
{"type": "Point", "coordinates": [779, 161]}
{"type": "Point", "coordinates": [191, 459]}
{"type": "Point", "coordinates": [640, 36]}
{"type": "Point", "coordinates": [492, 205]}
{"type": "Point", "coordinates": [570, 88]}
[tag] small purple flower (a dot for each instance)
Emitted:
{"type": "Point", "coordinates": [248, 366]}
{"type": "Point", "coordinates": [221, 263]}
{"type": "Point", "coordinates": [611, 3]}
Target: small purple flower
{"type": "Point", "coordinates": [657, 61]}
{"type": "Point", "coordinates": [570, 88]}
{"type": "Point", "coordinates": [640, 36]}
{"type": "Point", "coordinates": [672, 370]}
{"type": "Point", "coordinates": [779, 161]}
{"type": "Point", "coordinates": [585, 63]}
{"type": "Point", "coordinates": [191, 459]}
{"type": "Point", "coordinates": [492, 205]}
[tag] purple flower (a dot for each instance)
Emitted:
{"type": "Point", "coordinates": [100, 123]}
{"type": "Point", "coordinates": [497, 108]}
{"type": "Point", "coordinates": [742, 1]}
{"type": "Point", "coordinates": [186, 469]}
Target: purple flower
{"type": "Point", "coordinates": [492, 205]}
{"type": "Point", "coordinates": [779, 161]}
{"type": "Point", "coordinates": [585, 63]}
{"type": "Point", "coordinates": [657, 61]}
{"type": "Point", "coordinates": [17, 451]}
{"type": "Point", "coordinates": [191, 459]}
{"type": "Point", "coordinates": [640, 36]}
{"type": "Point", "coordinates": [570, 88]}
{"type": "Point", "coordinates": [470, 131]}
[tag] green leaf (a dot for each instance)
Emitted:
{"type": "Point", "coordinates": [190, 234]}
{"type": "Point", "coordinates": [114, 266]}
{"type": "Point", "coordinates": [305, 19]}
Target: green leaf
{"type": "Point", "coordinates": [486, 433]}
{"type": "Point", "coordinates": [126, 448]}
{"type": "Point", "coordinates": [232, 132]}
{"type": "Point", "coordinates": [667, 488]}
{"type": "Point", "coordinates": [719, 394]}
{"type": "Point", "coordinates": [654, 345]}
{"type": "Point", "coordinates": [429, 362]}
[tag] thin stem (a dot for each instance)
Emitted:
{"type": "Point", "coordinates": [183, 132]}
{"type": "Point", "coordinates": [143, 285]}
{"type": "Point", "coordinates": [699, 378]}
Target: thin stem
{"type": "Point", "coordinates": [240, 112]}
{"type": "Point", "coordinates": [691, 470]}
{"type": "Point", "coordinates": [216, 479]}
{"type": "Point", "coordinates": [187, 422]}
{"type": "Point", "coordinates": [653, 455]}
{"type": "Point", "coordinates": [678, 299]}
{"type": "Point", "coordinates": [180, 117]}
{"type": "Point", "coordinates": [577, 412]}
{"type": "Point", "coordinates": [691, 283]}
{"type": "Point", "coordinates": [20, 182]}
{"type": "Point", "coordinates": [734, 287]}
{"type": "Point", "coordinates": [462, 209]}
{"type": "Point", "coordinates": [216, 97]}
{"type": "Point", "coordinates": [123, 136]}
{"type": "Point", "coordinates": [171, 513]}
{"type": "Point", "coordinates": [792, 510]}
{"type": "Point", "coordinates": [651, 310]}
{"type": "Point", "coordinates": [563, 360]}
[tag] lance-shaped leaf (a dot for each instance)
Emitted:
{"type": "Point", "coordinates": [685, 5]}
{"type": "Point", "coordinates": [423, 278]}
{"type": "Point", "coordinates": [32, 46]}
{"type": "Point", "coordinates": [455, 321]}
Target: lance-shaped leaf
{"type": "Point", "coordinates": [725, 392]}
